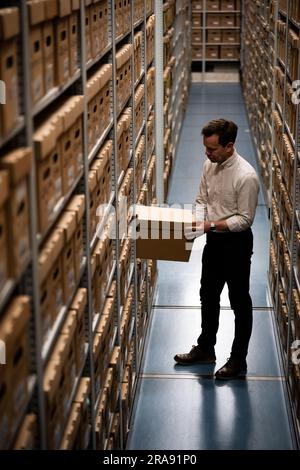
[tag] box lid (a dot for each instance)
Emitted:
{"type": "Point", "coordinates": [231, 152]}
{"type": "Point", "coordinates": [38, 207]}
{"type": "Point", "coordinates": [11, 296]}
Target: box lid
{"type": "Point", "coordinates": [9, 23]}
{"type": "Point", "coordinates": [18, 164]}
{"type": "Point", "coordinates": [175, 217]}
{"type": "Point", "coordinates": [36, 11]}
{"type": "Point", "coordinates": [77, 205]}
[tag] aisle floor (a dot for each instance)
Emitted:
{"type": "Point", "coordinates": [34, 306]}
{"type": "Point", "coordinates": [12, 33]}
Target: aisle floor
{"type": "Point", "coordinates": [183, 407]}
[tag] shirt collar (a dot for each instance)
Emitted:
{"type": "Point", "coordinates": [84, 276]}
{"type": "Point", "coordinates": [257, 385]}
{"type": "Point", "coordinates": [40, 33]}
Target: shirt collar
{"type": "Point", "coordinates": [230, 161]}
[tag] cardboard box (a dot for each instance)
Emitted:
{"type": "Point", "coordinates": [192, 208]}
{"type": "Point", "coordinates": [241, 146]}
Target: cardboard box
{"type": "Point", "coordinates": [36, 62]}
{"type": "Point", "coordinates": [79, 305]}
{"type": "Point", "coordinates": [74, 42]}
{"type": "Point", "coordinates": [14, 330]}
{"type": "Point", "coordinates": [4, 185]}
{"type": "Point", "coordinates": [9, 23]}
{"type": "Point", "coordinates": [27, 435]}
{"type": "Point", "coordinates": [18, 164]}
{"type": "Point", "coordinates": [9, 111]}
{"type": "Point", "coordinates": [160, 233]}
{"type": "Point", "coordinates": [48, 55]}
{"type": "Point", "coordinates": [62, 46]}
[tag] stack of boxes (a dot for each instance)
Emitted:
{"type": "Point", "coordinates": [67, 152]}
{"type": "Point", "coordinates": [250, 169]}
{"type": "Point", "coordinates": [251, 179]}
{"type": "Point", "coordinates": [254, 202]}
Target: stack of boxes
{"type": "Point", "coordinates": [9, 71]}
{"type": "Point", "coordinates": [221, 35]}
{"type": "Point", "coordinates": [14, 368]}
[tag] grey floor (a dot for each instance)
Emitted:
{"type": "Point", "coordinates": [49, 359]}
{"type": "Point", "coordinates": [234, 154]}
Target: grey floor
{"type": "Point", "coordinates": [184, 407]}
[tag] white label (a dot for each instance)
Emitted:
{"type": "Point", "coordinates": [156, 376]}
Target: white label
{"type": "Point", "coordinates": [58, 187]}
{"type": "Point", "coordinates": [21, 192]}
{"type": "Point", "coordinates": [71, 176]}
{"type": "Point", "coordinates": [66, 67]}
{"type": "Point", "coordinates": [71, 279]}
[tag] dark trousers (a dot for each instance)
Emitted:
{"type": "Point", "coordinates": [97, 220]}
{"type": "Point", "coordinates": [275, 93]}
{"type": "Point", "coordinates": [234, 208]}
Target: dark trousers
{"type": "Point", "coordinates": [226, 258]}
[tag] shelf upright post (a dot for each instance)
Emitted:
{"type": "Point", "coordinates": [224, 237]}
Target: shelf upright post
{"type": "Point", "coordinates": [33, 226]}
{"type": "Point", "coordinates": [159, 100]}
{"type": "Point", "coordinates": [87, 277]}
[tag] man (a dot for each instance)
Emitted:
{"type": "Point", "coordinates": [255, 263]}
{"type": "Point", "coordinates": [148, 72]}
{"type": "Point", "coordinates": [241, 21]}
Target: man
{"type": "Point", "coordinates": [229, 191]}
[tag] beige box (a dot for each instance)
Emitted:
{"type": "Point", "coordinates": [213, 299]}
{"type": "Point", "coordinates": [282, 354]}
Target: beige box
{"type": "Point", "coordinates": [214, 19]}
{"type": "Point", "coordinates": [48, 55]}
{"type": "Point", "coordinates": [69, 437]}
{"type": "Point", "coordinates": [27, 435]}
{"type": "Point", "coordinates": [9, 111]}
{"type": "Point", "coordinates": [228, 5]}
{"type": "Point", "coordinates": [88, 33]}
{"type": "Point", "coordinates": [68, 223]}
{"type": "Point", "coordinates": [4, 185]}
{"type": "Point", "coordinates": [36, 62]}
{"type": "Point", "coordinates": [36, 11]}
{"type": "Point", "coordinates": [77, 207]}
{"type": "Point", "coordinates": [64, 7]}
{"type": "Point", "coordinates": [212, 5]}
{"type": "Point", "coordinates": [82, 397]}
{"type": "Point", "coordinates": [74, 42]}
{"type": "Point", "coordinates": [62, 47]}
{"type": "Point", "coordinates": [161, 233]}
{"type": "Point", "coordinates": [212, 52]}
{"type": "Point", "coordinates": [228, 20]}
{"type": "Point", "coordinates": [51, 9]}
{"type": "Point", "coordinates": [18, 164]}
{"type": "Point", "coordinates": [9, 23]}
{"type": "Point", "coordinates": [79, 305]}
{"type": "Point", "coordinates": [14, 328]}
{"type": "Point", "coordinates": [230, 36]}
{"type": "Point", "coordinates": [214, 35]}
{"type": "Point", "coordinates": [230, 52]}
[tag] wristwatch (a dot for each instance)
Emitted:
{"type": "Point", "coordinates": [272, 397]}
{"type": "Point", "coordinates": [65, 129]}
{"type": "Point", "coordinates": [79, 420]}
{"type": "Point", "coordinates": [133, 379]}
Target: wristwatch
{"type": "Point", "coordinates": [212, 227]}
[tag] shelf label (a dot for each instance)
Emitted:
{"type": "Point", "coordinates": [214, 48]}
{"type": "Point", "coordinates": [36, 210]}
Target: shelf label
{"type": "Point", "coordinates": [2, 92]}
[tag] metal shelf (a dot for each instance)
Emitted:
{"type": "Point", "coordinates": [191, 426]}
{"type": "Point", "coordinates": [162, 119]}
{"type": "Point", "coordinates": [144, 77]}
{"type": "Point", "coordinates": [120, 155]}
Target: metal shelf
{"type": "Point", "coordinates": [100, 142]}
{"type": "Point", "coordinates": [139, 134]}
{"type": "Point", "coordinates": [53, 94]}
{"type": "Point", "coordinates": [20, 126]}
{"type": "Point", "coordinates": [138, 23]}
{"type": "Point", "coordinates": [137, 82]}
{"type": "Point", "coordinates": [121, 37]}
{"type": "Point", "coordinates": [56, 328]}
{"type": "Point", "coordinates": [96, 59]}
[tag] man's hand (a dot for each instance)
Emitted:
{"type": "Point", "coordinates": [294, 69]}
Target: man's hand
{"type": "Point", "coordinates": [194, 230]}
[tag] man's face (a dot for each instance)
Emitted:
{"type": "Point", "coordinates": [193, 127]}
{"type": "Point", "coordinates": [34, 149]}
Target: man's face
{"type": "Point", "coordinates": [215, 152]}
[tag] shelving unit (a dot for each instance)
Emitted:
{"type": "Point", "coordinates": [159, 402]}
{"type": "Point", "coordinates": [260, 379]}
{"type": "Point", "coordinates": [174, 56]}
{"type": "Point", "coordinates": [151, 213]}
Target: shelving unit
{"type": "Point", "coordinates": [271, 68]}
{"type": "Point", "coordinates": [216, 26]}
{"type": "Point", "coordinates": [100, 300]}
{"type": "Point", "coordinates": [176, 63]}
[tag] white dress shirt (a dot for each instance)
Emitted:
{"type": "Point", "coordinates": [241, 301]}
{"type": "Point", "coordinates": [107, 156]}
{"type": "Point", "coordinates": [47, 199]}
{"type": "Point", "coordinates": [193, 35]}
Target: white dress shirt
{"type": "Point", "coordinates": [229, 190]}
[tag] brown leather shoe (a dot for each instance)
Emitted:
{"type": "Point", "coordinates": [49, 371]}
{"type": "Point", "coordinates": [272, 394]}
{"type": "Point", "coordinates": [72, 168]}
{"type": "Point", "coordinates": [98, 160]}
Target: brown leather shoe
{"type": "Point", "coordinates": [195, 356]}
{"type": "Point", "coordinates": [233, 369]}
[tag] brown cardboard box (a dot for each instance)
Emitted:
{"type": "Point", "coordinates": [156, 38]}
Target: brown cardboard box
{"type": "Point", "coordinates": [68, 223]}
{"type": "Point", "coordinates": [74, 42]}
{"type": "Point", "coordinates": [88, 33]}
{"type": "Point", "coordinates": [228, 5]}
{"type": "Point", "coordinates": [9, 23]}
{"type": "Point", "coordinates": [36, 62]}
{"type": "Point", "coordinates": [214, 19]}
{"type": "Point", "coordinates": [64, 7]}
{"type": "Point", "coordinates": [48, 55]}
{"type": "Point", "coordinates": [82, 397]}
{"type": "Point", "coordinates": [4, 185]}
{"type": "Point", "coordinates": [72, 428]}
{"type": "Point", "coordinates": [161, 233]}
{"type": "Point", "coordinates": [14, 373]}
{"type": "Point", "coordinates": [9, 111]}
{"type": "Point", "coordinates": [230, 52]}
{"type": "Point", "coordinates": [51, 9]}
{"type": "Point", "coordinates": [18, 164]}
{"type": "Point", "coordinates": [214, 35]}
{"type": "Point", "coordinates": [212, 52]}
{"type": "Point", "coordinates": [79, 305]}
{"type": "Point", "coordinates": [27, 435]}
{"type": "Point", "coordinates": [212, 5]}
{"type": "Point", "coordinates": [77, 206]}
{"type": "Point", "coordinates": [62, 45]}
{"type": "Point", "coordinates": [36, 11]}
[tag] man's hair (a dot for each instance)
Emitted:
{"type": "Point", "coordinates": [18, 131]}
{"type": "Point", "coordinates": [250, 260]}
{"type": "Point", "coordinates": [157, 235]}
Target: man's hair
{"type": "Point", "coordinates": [226, 130]}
